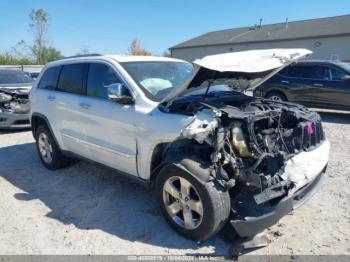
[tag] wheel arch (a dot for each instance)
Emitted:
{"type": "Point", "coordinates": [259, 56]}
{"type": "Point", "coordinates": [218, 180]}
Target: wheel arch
{"type": "Point", "coordinates": [190, 164]}
{"type": "Point", "coordinates": [38, 119]}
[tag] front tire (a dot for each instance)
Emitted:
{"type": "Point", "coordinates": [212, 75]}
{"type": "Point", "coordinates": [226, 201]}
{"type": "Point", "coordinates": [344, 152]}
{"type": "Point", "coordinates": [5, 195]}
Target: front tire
{"type": "Point", "coordinates": [276, 96]}
{"type": "Point", "coordinates": [195, 209]}
{"type": "Point", "coordinates": [49, 152]}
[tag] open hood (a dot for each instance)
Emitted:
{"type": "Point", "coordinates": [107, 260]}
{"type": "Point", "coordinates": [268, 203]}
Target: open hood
{"type": "Point", "coordinates": [255, 66]}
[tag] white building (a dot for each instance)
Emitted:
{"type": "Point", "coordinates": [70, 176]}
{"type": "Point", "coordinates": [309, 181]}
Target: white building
{"type": "Point", "coordinates": [328, 38]}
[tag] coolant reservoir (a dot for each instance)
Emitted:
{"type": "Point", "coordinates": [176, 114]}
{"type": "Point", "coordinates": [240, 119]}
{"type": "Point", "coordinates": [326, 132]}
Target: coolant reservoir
{"type": "Point", "coordinates": [238, 140]}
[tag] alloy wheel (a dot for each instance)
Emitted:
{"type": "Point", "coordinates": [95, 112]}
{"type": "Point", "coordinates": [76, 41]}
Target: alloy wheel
{"type": "Point", "coordinates": [45, 148]}
{"type": "Point", "coordinates": [182, 202]}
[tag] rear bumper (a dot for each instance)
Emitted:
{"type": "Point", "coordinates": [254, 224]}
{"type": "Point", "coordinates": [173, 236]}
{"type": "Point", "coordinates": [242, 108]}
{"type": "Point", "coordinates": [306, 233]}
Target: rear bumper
{"type": "Point", "coordinates": [251, 225]}
{"type": "Point", "coordinates": [14, 121]}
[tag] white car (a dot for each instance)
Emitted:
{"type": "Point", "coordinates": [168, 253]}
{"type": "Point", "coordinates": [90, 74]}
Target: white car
{"type": "Point", "coordinates": [214, 156]}
{"type": "Point", "coordinates": [15, 86]}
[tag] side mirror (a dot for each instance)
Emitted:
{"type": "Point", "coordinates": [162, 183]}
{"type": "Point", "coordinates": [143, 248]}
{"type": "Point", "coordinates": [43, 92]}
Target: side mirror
{"type": "Point", "coordinates": [119, 93]}
{"type": "Point", "coordinates": [346, 78]}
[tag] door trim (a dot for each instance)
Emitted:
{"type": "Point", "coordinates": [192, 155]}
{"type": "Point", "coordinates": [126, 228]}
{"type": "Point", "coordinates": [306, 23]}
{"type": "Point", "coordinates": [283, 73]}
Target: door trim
{"type": "Point", "coordinates": [97, 146]}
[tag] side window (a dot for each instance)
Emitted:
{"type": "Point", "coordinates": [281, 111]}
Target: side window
{"type": "Point", "coordinates": [50, 78]}
{"type": "Point", "coordinates": [73, 78]}
{"type": "Point", "coordinates": [336, 74]}
{"type": "Point", "coordinates": [100, 77]}
{"type": "Point", "coordinates": [300, 71]}
{"type": "Point", "coordinates": [322, 73]}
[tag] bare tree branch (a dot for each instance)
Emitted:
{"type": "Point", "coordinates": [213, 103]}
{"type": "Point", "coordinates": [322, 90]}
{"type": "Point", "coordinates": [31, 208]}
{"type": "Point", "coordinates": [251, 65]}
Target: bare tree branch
{"type": "Point", "coordinates": [135, 49]}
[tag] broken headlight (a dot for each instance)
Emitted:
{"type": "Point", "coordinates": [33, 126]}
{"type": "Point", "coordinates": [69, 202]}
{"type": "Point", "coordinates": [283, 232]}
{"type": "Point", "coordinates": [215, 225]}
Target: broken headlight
{"type": "Point", "coordinates": [5, 98]}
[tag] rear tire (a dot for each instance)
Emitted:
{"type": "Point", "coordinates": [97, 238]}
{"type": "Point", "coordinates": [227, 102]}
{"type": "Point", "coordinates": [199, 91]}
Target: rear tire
{"type": "Point", "coordinates": [48, 150]}
{"type": "Point", "coordinates": [276, 96]}
{"type": "Point", "coordinates": [215, 204]}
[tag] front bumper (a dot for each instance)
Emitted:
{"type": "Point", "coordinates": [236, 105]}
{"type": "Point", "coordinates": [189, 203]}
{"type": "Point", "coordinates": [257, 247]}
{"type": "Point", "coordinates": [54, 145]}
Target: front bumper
{"type": "Point", "coordinates": [307, 171]}
{"type": "Point", "coordinates": [14, 121]}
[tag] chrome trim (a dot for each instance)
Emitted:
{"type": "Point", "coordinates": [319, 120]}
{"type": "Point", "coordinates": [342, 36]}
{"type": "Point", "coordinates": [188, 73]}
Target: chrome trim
{"type": "Point", "coordinates": [97, 146]}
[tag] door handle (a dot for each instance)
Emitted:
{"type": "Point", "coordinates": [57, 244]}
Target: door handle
{"type": "Point", "coordinates": [85, 105]}
{"type": "Point", "coordinates": [316, 84]}
{"type": "Point", "coordinates": [51, 98]}
{"type": "Point", "coordinates": [285, 81]}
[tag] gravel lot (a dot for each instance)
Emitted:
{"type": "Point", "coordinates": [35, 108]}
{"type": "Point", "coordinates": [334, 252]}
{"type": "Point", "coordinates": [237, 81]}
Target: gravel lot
{"type": "Point", "coordinates": [84, 209]}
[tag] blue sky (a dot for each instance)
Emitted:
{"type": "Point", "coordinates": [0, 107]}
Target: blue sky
{"type": "Point", "coordinates": [108, 26]}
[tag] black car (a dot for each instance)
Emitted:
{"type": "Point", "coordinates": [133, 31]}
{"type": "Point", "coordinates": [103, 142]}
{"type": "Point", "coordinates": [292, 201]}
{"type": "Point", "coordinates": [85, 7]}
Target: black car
{"type": "Point", "coordinates": [321, 84]}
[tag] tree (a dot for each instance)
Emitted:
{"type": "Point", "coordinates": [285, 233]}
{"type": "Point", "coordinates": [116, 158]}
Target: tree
{"type": "Point", "coordinates": [50, 54]}
{"type": "Point", "coordinates": [7, 58]}
{"type": "Point", "coordinates": [84, 51]}
{"type": "Point", "coordinates": [37, 53]}
{"type": "Point", "coordinates": [166, 54]}
{"type": "Point", "coordinates": [135, 49]}
{"type": "Point", "coordinates": [38, 23]}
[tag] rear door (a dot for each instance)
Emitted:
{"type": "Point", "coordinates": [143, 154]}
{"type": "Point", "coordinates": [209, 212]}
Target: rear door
{"type": "Point", "coordinates": [71, 87]}
{"type": "Point", "coordinates": [107, 127]}
{"type": "Point", "coordinates": [299, 80]}
{"type": "Point", "coordinates": [44, 100]}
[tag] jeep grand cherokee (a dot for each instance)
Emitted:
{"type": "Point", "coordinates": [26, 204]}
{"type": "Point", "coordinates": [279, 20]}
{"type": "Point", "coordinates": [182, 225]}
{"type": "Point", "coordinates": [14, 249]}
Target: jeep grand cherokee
{"type": "Point", "coordinates": [214, 156]}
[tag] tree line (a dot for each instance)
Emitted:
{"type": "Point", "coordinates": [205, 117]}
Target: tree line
{"type": "Point", "coordinates": [40, 52]}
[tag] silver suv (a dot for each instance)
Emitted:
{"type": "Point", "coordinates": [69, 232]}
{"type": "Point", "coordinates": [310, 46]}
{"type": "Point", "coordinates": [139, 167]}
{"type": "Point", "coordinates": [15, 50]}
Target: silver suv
{"type": "Point", "coordinates": [214, 156]}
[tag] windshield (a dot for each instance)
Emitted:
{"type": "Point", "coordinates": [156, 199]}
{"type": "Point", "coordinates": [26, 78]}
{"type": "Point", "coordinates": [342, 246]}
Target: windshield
{"type": "Point", "coordinates": [158, 78]}
{"type": "Point", "coordinates": [14, 77]}
{"type": "Point", "coordinates": [345, 66]}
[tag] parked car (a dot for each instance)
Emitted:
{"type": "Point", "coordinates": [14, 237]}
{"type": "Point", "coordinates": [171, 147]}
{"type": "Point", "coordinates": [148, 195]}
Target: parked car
{"type": "Point", "coordinates": [321, 84]}
{"type": "Point", "coordinates": [214, 156]}
{"type": "Point", "coordinates": [14, 99]}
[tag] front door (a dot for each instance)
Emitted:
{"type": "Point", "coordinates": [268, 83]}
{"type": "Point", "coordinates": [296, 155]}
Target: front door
{"type": "Point", "coordinates": [300, 84]}
{"type": "Point", "coordinates": [333, 91]}
{"type": "Point", "coordinates": [107, 127]}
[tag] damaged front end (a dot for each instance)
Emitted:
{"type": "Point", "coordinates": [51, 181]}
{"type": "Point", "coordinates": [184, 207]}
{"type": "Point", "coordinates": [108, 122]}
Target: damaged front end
{"type": "Point", "coordinates": [14, 108]}
{"type": "Point", "coordinates": [270, 155]}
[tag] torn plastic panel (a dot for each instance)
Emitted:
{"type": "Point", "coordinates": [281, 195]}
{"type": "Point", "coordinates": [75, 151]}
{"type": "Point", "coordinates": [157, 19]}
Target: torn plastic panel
{"type": "Point", "coordinates": [199, 129]}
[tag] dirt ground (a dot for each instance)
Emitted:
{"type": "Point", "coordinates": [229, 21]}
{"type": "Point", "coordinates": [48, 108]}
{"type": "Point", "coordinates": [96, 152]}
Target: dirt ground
{"type": "Point", "coordinates": [84, 209]}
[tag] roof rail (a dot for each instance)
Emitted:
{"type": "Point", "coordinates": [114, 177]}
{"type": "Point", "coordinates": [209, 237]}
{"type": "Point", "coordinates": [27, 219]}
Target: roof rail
{"type": "Point", "coordinates": [77, 56]}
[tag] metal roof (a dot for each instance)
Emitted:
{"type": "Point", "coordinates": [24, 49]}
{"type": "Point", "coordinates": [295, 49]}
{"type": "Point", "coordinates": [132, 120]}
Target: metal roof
{"type": "Point", "coordinates": [330, 26]}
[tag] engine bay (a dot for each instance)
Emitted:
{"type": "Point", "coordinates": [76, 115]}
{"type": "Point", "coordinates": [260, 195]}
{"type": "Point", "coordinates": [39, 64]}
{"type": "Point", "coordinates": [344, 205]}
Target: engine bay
{"type": "Point", "coordinates": [248, 140]}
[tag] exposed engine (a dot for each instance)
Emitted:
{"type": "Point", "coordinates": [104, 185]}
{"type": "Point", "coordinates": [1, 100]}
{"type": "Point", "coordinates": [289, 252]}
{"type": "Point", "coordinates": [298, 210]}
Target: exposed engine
{"type": "Point", "coordinates": [14, 101]}
{"type": "Point", "coordinates": [250, 140]}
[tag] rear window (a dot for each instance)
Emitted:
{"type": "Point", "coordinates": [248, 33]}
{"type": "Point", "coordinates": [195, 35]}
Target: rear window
{"type": "Point", "coordinates": [300, 71]}
{"type": "Point", "coordinates": [50, 78]}
{"type": "Point", "coordinates": [322, 73]}
{"type": "Point", "coordinates": [73, 78]}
